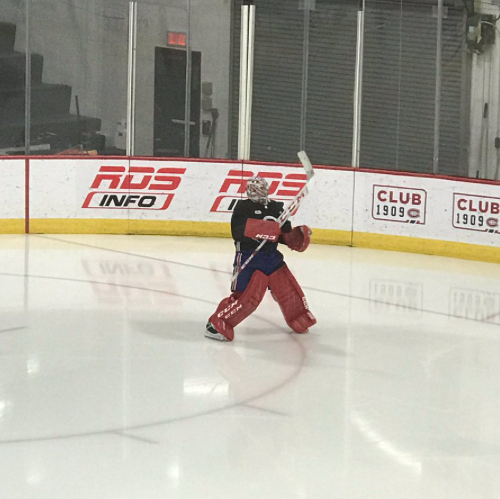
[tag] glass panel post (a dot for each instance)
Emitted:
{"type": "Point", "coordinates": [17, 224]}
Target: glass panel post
{"type": "Point", "coordinates": [27, 101]}
{"type": "Point", "coordinates": [131, 77]}
{"type": "Point", "coordinates": [437, 112]}
{"type": "Point", "coordinates": [305, 73]}
{"type": "Point", "coordinates": [358, 85]}
{"type": "Point", "coordinates": [189, 69]}
{"type": "Point", "coordinates": [246, 78]}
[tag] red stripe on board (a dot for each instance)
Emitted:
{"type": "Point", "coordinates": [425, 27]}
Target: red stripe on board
{"type": "Point", "coordinates": [27, 195]}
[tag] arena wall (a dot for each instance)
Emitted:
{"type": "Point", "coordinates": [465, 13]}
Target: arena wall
{"type": "Point", "coordinates": [356, 207]}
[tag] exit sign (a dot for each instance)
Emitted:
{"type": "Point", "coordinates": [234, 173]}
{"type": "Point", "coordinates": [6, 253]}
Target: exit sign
{"type": "Point", "coordinates": [176, 39]}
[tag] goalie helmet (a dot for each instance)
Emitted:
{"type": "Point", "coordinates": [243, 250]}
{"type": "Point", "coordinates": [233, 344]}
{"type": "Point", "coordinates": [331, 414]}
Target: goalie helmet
{"type": "Point", "coordinates": [257, 190]}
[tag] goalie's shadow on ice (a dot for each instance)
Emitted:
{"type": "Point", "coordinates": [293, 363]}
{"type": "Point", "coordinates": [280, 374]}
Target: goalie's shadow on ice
{"type": "Point", "coordinates": [188, 331]}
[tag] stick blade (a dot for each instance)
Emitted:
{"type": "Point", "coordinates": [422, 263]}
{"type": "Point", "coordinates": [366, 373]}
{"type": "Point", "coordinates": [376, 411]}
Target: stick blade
{"type": "Point", "coordinates": [306, 163]}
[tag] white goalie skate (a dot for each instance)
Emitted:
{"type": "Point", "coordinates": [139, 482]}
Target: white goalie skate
{"type": "Point", "coordinates": [211, 332]}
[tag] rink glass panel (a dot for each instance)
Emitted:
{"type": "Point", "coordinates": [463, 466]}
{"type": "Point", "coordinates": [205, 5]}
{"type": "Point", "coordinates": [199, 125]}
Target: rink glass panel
{"type": "Point", "coordinates": [280, 67]}
{"type": "Point", "coordinates": [310, 90]}
{"type": "Point", "coordinates": [302, 96]}
{"type": "Point", "coordinates": [175, 35]}
{"type": "Point", "coordinates": [399, 87]}
{"type": "Point", "coordinates": [78, 101]}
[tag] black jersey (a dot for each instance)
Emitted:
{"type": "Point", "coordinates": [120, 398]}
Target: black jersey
{"type": "Point", "coordinates": [245, 209]}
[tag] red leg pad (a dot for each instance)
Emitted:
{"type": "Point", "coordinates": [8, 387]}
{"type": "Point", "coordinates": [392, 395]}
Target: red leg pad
{"type": "Point", "coordinates": [233, 310]}
{"type": "Point", "coordinates": [291, 299]}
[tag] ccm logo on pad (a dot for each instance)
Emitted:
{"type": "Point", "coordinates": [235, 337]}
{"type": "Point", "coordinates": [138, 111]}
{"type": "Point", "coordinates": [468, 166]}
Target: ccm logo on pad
{"type": "Point", "coordinates": [139, 188]}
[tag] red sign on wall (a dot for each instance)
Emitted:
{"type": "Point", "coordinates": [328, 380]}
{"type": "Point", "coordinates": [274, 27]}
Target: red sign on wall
{"type": "Point", "coordinates": [176, 39]}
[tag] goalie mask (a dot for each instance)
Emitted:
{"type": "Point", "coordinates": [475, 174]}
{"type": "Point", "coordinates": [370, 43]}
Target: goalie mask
{"type": "Point", "coordinates": [257, 190]}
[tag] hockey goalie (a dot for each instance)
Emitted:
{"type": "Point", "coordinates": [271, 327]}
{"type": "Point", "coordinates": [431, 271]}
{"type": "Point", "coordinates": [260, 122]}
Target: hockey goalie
{"type": "Point", "coordinates": [255, 220]}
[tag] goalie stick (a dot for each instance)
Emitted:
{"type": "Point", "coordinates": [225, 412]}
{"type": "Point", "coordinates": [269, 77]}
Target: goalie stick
{"type": "Point", "coordinates": [291, 208]}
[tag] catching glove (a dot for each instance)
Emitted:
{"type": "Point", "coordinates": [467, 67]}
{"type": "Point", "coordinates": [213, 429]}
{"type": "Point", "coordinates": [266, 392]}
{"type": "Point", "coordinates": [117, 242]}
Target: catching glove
{"type": "Point", "coordinates": [299, 238]}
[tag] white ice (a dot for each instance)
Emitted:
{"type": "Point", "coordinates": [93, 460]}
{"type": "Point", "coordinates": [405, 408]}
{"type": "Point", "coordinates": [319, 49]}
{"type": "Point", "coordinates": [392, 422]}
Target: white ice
{"type": "Point", "coordinates": [109, 390]}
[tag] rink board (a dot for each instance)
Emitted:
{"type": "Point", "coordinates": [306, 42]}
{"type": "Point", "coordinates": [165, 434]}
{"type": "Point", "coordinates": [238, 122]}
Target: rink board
{"type": "Point", "coordinates": [358, 207]}
{"type": "Point", "coordinates": [430, 215]}
{"type": "Point", "coordinates": [148, 196]}
{"type": "Point", "coordinates": [12, 194]}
